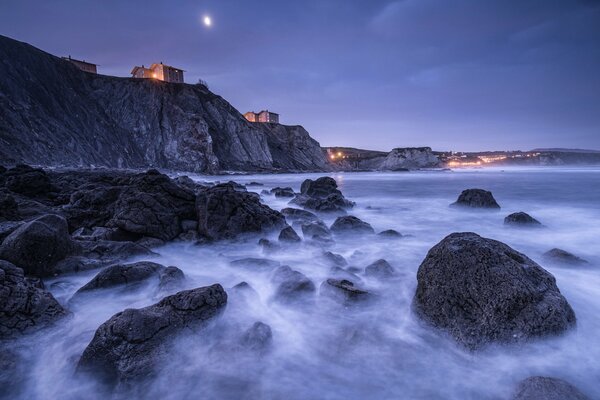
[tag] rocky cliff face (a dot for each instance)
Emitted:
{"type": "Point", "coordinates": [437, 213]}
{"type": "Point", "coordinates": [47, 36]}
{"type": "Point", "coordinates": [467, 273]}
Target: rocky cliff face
{"type": "Point", "coordinates": [395, 160]}
{"type": "Point", "coordinates": [53, 114]}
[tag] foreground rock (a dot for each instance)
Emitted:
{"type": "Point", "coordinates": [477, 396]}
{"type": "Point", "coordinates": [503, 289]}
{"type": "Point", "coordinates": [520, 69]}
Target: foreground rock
{"type": "Point", "coordinates": [24, 307]}
{"type": "Point", "coordinates": [132, 343]}
{"type": "Point", "coordinates": [37, 246]}
{"type": "Point", "coordinates": [476, 198]}
{"type": "Point", "coordinates": [560, 256]}
{"type": "Point", "coordinates": [481, 291]}
{"type": "Point", "coordinates": [258, 338]}
{"type": "Point", "coordinates": [224, 213]}
{"type": "Point", "coordinates": [349, 224]}
{"type": "Point", "coordinates": [322, 195]}
{"type": "Point", "coordinates": [521, 219]}
{"type": "Point", "coordinates": [343, 291]}
{"type": "Point", "coordinates": [289, 235]}
{"type": "Point", "coordinates": [292, 286]}
{"type": "Point", "coordinates": [545, 388]}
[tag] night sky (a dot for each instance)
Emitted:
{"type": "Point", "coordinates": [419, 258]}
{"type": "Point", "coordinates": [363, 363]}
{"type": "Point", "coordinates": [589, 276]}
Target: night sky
{"type": "Point", "coordinates": [450, 74]}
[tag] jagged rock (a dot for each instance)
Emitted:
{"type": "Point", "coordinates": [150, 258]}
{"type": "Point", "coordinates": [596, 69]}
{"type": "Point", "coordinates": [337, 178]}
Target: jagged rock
{"type": "Point", "coordinates": [481, 291]}
{"type": "Point", "coordinates": [288, 234]}
{"type": "Point", "coordinates": [380, 269]}
{"type": "Point", "coordinates": [315, 229]}
{"type": "Point", "coordinates": [350, 224]}
{"type": "Point", "coordinates": [24, 307]}
{"type": "Point", "coordinates": [171, 279]}
{"type": "Point", "coordinates": [559, 256]}
{"type": "Point", "coordinates": [521, 219]}
{"type": "Point", "coordinates": [298, 215]}
{"type": "Point", "coordinates": [255, 263]}
{"type": "Point", "coordinates": [292, 286]}
{"type": "Point", "coordinates": [390, 233]}
{"type": "Point", "coordinates": [9, 208]}
{"type": "Point", "coordinates": [283, 192]}
{"type": "Point", "coordinates": [26, 180]}
{"type": "Point", "coordinates": [224, 213]}
{"type": "Point", "coordinates": [322, 195]}
{"type": "Point", "coordinates": [257, 338]}
{"type": "Point", "coordinates": [38, 245]}
{"type": "Point", "coordinates": [335, 259]}
{"type": "Point", "coordinates": [476, 198]}
{"type": "Point", "coordinates": [343, 291]}
{"type": "Point", "coordinates": [404, 159]}
{"type": "Point", "coordinates": [545, 388]}
{"type": "Point", "coordinates": [132, 343]}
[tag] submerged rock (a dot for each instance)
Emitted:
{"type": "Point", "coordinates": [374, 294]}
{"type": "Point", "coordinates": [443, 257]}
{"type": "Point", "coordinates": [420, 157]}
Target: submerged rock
{"type": "Point", "coordinates": [476, 198]}
{"type": "Point", "coordinates": [545, 388]}
{"type": "Point", "coordinates": [390, 233]}
{"type": "Point", "coordinates": [24, 306]}
{"type": "Point", "coordinates": [257, 338]}
{"type": "Point", "coordinates": [351, 224]}
{"type": "Point", "coordinates": [292, 286]}
{"type": "Point", "coordinates": [132, 343]}
{"type": "Point", "coordinates": [224, 213]}
{"type": "Point", "coordinates": [521, 219]}
{"type": "Point", "coordinates": [283, 192]}
{"type": "Point", "coordinates": [481, 291]}
{"type": "Point", "coordinates": [171, 278]}
{"type": "Point", "coordinates": [343, 291]}
{"type": "Point", "coordinates": [288, 234]}
{"type": "Point", "coordinates": [318, 228]}
{"type": "Point", "coordinates": [255, 263]}
{"type": "Point", "coordinates": [335, 259]}
{"type": "Point", "coordinates": [559, 256]}
{"type": "Point", "coordinates": [126, 275]}
{"type": "Point", "coordinates": [380, 269]}
{"type": "Point", "coordinates": [298, 215]}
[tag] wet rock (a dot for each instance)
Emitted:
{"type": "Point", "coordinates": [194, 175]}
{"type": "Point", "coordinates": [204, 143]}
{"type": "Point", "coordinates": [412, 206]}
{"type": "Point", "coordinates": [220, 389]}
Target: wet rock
{"type": "Point", "coordinates": [38, 245]}
{"type": "Point", "coordinates": [289, 235]}
{"type": "Point", "coordinates": [481, 291]}
{"type": "Point", "coordinates": [349, 224]}
{"type": "Point", "coordinates": [268, 246]}
{"type": "Point", "coordinates": [189, 225]}
{"type": "Point", "coordinates": [134, 342]}
{"type": "Point", "coordinates": [390, 233]}
{"type": "Point", "coordinates": [171, 279]}
{"type": "Point", "coordinates": [322, 195]}
{"type": "Point", "coordinates": [521, 219]}
{"type": "Point", "coordinates": [545, 388]}
{"type": "Point", "coordinates": [265, 192]}
{"type": "Point", "coordinates": [8, 227]}
{"type": "Point", "coordinates": [380, 269]}
{"type": "Point", "coordinates": [125, 275]}
{"type": "Point", "coordinates": [224, 213]}
{"type": "Point", "coordinates": [335, 259]}
{"type": "Point", "coordinates": [349, 274]}
{"type": "Point", "coordinates": [476, 198]}
{"type": "Point", "coordinates": [27, 181]}
{"type": "Point", "coordinates": [343, 291]}
{"type": "Point", "coordinates": [254, 184]}
{"type": "Point", "coordinates": [255, 263]}
{"type": "Point", "coordinates": [9, 208]}
{"type": "Point", "coordinates": [24, 306]}
{"type": "Point", "coordinates": [283, 192]}
{"type": "Point", "coordinates": [321, 187]}
{"type": "Point", "coordinates": [150, 243]}
{"type": "Point", "coordinates": [257, 338]}
{"type": "Point", "coordinates": [292, 286]}
{"type": "Point", "coordinates": [312, 229]}
{"type": "Point", "coordinates": [559, 256]}
{"type": "Point", "coordinates": [298, 215]}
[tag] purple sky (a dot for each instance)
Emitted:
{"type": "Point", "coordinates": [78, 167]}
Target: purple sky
{"type": "Point", "coordinates": [453, 75]}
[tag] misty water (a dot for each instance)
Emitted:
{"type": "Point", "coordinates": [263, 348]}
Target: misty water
{"type": "Point", "coordinates": [321, 350]}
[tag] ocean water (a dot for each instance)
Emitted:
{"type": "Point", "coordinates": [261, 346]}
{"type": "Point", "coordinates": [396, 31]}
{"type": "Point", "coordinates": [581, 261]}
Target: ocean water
{"type": "Point", "coordinates": [380, 351]}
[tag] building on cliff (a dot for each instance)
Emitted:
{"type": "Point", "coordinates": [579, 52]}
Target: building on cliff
{"type": "Point", "coordinates": [263, 116]}
{"type": "Point", "coordinates": [159, 71]}
{"type": "Point", "coordinates": [82, 65]}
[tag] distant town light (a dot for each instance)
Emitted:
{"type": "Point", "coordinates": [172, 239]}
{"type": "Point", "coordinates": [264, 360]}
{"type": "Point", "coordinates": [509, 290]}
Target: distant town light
{"type": "Point", "coordinates": [339, 154]}
{"type": "Point", "coordinates": [207, 21]}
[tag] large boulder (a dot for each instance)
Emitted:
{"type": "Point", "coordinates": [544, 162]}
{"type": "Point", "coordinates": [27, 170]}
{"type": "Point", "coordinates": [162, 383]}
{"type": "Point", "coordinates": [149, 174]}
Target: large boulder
{"type": "Point", "coordinates": [38, 245]}
{"type": "Point", "coordinates": [476, 198]}
{"type": "Point", "coordinates": [27, 181]}
{"type": "Point", "coordinates": [132, 343]}
{"type": "Point", "coordinates": [289, 235]}
{"type": "Point", "coordinates": [521, 219]}
{"type": "Point", "coordinates": [283, 192]}
{"type": "Point", "coordinates": [314, 229]}
{"type": "Point", "coordinates": [322, 195]}
{"type": "Point", "coordinates": [224, 213]}
{"type": "Point", "coordinates": [380, 269]}
{"type": "Point", "coordinates": [481, 291]}
{"type": "Point", "coordinates": [350, 224]}
{"type": "Point", "coordinates": [562, 257]}
{"type": "Point", "coordinates": [24, 306]}
{"type": "Point", "coordinates": [292, 286]}
{"type": "Point", "coordinates": [545, 388]}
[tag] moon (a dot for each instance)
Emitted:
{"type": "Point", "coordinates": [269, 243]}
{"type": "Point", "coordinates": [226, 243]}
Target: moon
{"type": "Point", "coordinates": [207, 21]}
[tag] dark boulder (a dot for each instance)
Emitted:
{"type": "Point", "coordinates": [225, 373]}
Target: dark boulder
{"type": "Point", "coordinates": [283, 192]}
{"type": "Point", "coordinates": [348, 274]}
{"type": "Point", "coordinates": [9, 208]}
{"type": "Point", "coordinates": [258, 338]}
{"type": "Point", "coordinates": [24, 306]}
{"type": "Point", "coordinates": [292, 286]}
{"type": "Point", "coordinates": [289, 235]}
{"type": "Point", "coordinates": [343, 291]}
{"type": "Point", "coordinates": [170, 279]}
{"type": "Point", "coordinates": [38, 245]}
{"type": "Point", "coordinates": [560, 256]}
{"type": "Point", "coordinates": [521, 219]}
{"type": "Point", "coordinates": [313, 229]}
{"type": "Point", "coordinates": [322, 195]}
{"type": "Point", "coordinates": [298, 215]}
{"type": "Point", "coordinates": [27, 181]}
{"type": "Point", "coordinates": [224, 213]}
{"type": "Point", "coordinates": [335, 259]}
{"type": "Point", "coordinates": [255, 263]}
{"type": "Point", "coordinates": [350, 224]}
{"type": "Point", "coordinates": [254, 184]}
{"type": "Point", "coordinates": [481, 291]}
{"type": "Point", "coordinates": [321, 187]}
{"type": "Point", "coordinates": [476, 198]}
{"type": "Point", "coordinates": [545, 388]}
{"type": "Point", "coordinates": [380, 269]}
{"type": "Point", "coordinates": [124, 275]}
{"type": "Point", "coordinates": [390, 233]}
{"type": "Point", "coordinates": [8, 227]}
{"type": "Point", "coordinates": [134, 342]}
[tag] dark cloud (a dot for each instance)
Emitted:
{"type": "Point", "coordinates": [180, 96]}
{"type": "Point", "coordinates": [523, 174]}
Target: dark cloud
{"type": "Point", "coordinates": [377, 74]}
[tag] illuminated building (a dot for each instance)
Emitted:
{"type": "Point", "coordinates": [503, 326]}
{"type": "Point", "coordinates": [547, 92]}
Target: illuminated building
{"type": "Point", "coordinates": [159, 71]}
{"type": "Point", "coordinates": [263, 116]}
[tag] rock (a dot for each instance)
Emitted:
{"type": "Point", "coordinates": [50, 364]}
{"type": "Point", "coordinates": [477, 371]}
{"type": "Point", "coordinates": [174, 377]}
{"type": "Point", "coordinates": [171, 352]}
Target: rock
{"type": "Point", "coordinates": [125, 275]}
{"type": "Point", "coordinates": [133, 343]}
{"type": "Point", "coordinates": [321, 187]}
{"type": "Point", "coordinates": [265, 192]}
{"type": "Point", "coordinates": [38, 245]}
{"type": "Point", "coordinates": [254, 184]}
{"type": "Point", "coordinates": [343, 291]}
{"type": "Point", "coordinates": [292, 286]}
{"type": "Point", "coordinates": [348, 274]}
{"type": "Point", "coordinates": [288, 234]}
{"type": "Point", "coordinates": [404, 159]}
{"type": "Point", "coordinates": [9, 208]}
{"type": "Point", "coordinates": [521, 219]}
{"type": "Point", "coordinates": [349, 224]}
{"type": "Point", "coordinates": [27, 181]}
{"type": "Point", "coordinates": [298, 215]}
{"type": "Point", "coordinates": [481, 291]}
{"type": "Point", "coordinates": [108, 251]}
{"type": "Point", "coordinates": [8, 227]}
{"type": "Point", "coordinates": [390, 233]}
{"type": "Point", "coordinates": [545, 388]}
{"type": "Point", "coordinates": [283, 192]}
{"type": "Point", "coordinates": [255, 263]}
{"type": "Point", "coordinates": [559, 256]}
{"type": "Point", "coordinates": [189, 225]}
{"type": "Point", "coordinates": [24, 307]}
{"type": "Point", "coordinates": [335, 259]}
{"type": "Point", "coordinates": [171, 279]}
{"type": "Point", "coordinates": [312, 229]}
{"type": "Point", "coordinates": [257, 338]}
{"type": "Point", "coordinates": [380, 269]}
{"type": "Point", "coordinates": [268, 246]}
{"type": "Point", "coordinates": [476, 198]}
{"type": "Point", "coordinates": [224, 213]}
{"type": "Point", "coordinates": [150, 242]}
{"type": "Point", "coordinates": [322, 195]}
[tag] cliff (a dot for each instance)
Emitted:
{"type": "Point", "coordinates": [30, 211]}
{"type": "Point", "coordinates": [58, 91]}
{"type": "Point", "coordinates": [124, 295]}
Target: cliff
{"type": "Point", "coordinates": [396, 160]}
{"type": "Point", "coordinates": [53, 114]}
